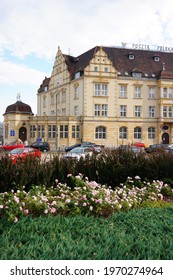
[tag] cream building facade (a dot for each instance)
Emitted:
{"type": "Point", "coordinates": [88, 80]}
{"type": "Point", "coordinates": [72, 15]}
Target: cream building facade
{"type": "Point", "coordinates": [107, 95]}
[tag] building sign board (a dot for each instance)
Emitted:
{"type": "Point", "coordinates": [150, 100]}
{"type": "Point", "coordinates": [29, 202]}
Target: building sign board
{"type": "Point", "coordinates": [12, 133]}
{"type": "Point", "coordinates": [147, 47]}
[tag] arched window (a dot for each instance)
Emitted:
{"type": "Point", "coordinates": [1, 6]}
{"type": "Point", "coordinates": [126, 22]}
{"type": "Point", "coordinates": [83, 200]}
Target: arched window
{"type": "Point", "coordinates": [137, 133]}
{"type": "Point", "coordinates": [100, 132]}
{"type": "Point", "coordinates": [151, 132]}
{"type": "Point", "coordinates": [123, 132]}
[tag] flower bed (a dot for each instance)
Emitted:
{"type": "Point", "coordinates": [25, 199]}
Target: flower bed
{"type": "Point", "coordinates": [87, 197]}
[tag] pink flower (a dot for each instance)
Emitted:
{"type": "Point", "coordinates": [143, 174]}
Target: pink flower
{"type": "Point", "coordinates": [53, 210]}
{"type": "Point", "coordinates": [84, 204]}
{"type": "Point", "coordinates": [26, 211]}
{"type": "Point", "coordinates": [15, 219]}
{"type": "Point", "coordinates": [160, 196]}
{"type": "Point", "coordinates": [1, 206]}
{"type": "Point", "coordinates": [91, 208]}
{"type": "Point", "coordinates": [99, 201]}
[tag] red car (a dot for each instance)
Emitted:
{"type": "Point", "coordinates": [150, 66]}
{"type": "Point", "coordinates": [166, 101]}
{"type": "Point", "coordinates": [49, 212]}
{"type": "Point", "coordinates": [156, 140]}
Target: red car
{"type": "Point", "coordinates": [139, 144]}
{"type": "Point", "coordinates": [21, 154]}
{"type": "Point", "coordinates": [11, 146]}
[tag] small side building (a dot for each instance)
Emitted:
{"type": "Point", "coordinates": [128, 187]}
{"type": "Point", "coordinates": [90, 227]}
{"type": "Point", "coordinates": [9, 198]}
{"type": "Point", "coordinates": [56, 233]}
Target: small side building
{"type": "Point", "coordinates": [17, 122]}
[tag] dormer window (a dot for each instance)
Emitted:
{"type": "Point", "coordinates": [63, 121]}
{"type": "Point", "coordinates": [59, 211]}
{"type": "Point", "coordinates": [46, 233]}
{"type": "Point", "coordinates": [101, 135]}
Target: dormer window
{"type": "Point", "coordinates": [136, 74]}
{"type": "Point", "coordinates": [156, 58]}
{"type": "Point", "coordinates": [46, 88]}
{"type": "Point", "coordinates": [131, 56]}
{"type": "Point", "coordinates": [77, 75]}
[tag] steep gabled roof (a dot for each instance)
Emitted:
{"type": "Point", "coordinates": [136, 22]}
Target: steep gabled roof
{"type": "Point", "coordinates": [144, 61]}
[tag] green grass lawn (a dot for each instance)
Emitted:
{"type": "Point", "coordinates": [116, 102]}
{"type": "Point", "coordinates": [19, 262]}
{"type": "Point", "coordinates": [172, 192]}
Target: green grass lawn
{"type": "Point", "coordinates": [145, 233]}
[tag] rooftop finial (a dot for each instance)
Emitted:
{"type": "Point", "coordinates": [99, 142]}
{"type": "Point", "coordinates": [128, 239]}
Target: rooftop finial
{"type": "Point", "coordinates": [18, 96]}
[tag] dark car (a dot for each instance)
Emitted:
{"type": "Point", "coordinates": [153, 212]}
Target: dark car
{"type": "Point", "coordinates": [42, 146]}
{"type": "Point", "coordinates": [156, 148]}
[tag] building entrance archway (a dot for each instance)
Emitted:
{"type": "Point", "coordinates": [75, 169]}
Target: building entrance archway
{"type": "Point", "coordinates": [165, 138]}
{"type": "Point", "coordinates": [23, 133]}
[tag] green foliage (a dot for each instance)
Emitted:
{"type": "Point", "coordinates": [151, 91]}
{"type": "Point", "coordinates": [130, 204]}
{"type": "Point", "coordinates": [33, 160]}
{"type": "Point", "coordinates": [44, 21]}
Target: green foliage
{"type": "Point", "coordinates": [84, 197]}
{"type": "Point", "coordinates": [111, 167]}
{"type": "Point", "coordinates": [133, 235]}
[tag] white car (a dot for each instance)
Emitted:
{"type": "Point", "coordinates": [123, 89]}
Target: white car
{"type": "Point", "coordinates": [79, 152]}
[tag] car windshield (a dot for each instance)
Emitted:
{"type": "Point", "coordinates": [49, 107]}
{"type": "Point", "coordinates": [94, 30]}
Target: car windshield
{"type": "Point", "coordinates": [77, 150]}
{"type": "Point", "coordinates": [16, 151]}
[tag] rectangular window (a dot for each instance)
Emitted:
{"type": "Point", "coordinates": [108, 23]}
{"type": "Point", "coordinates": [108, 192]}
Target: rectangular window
{"type": "Point", "coordinates": [123, 111]}
{"type": "Point", "coordinates": [97, 89]}
{"type": "Point", "coordinates": [167, 111]}
{"type": "Point", "coordinates": [137, 92]}
{"type": "Point", "coordinates": [151, 133]}
{"type": "Point", "coordinates": [32, 131]}
{"type": "Point", "coordinates": [165, 92]}
{"type": "Point", "coordinates": [76, 92]}
{"type": "Point", "coordinates": [41, 132]}
{"type": "Point", "coordinates": [151, 111]}
{"type": "Point", "coordinates": [52, 131]}
{"type": "Point", "coordinates": [170, 112]}
{"type": "Point", "coordinates": [151, 93]}
{"type": "Point", "coordinates": [63, 131]}
{"type": "Point", "coordinates": [75, 131]}
{"type": "Point", "coordinates": [170, 93]}
{"type": "Point", "coordinates": [104, 89]}
{"type": "Point", "coordinates": [97, 110]}
{"type": "Point", "coordinates": [104, 110]}
{"type": "Point", "coordinates": [123, 91]}
{"type": "Point", "coordinates": [137, 111]}
{"type": "Point", "coordinates": [101, 89]}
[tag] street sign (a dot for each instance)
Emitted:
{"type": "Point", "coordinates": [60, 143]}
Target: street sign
{"type": "Point", "coordinates": [12, 133]}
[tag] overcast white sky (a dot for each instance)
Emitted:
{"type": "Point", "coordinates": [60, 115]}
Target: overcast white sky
{"type": "Point", "coordinates": [32, 30]}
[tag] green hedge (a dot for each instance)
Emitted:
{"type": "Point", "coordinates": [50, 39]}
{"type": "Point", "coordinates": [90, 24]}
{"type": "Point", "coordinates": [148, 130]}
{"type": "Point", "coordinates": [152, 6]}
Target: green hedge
{"type": "Point", "coordinates": [109, 167]}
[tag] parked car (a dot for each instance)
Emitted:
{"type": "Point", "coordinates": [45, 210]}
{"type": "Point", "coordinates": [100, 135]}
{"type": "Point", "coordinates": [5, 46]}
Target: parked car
{"type": "Point", "coordinates": [67, 149]}
{"type": "Point", "coordinates": [42, 146]}
{"type": "Point", "coordinates": [11, 146]}
{"type": "Point", "coordinates": [78, 152]}
{"type": "Point", "coordinates": [156, 147]}
{"type": "Point", "coordinates": [93, 146]}
{"type": "Point", "coordinates": [139, 144]}
{"type": "Point", "coordinates": [21, 154]}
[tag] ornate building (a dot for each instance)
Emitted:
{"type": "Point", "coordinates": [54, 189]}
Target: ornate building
{"type": "Point", "coordinates": [107, 95]}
